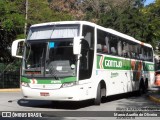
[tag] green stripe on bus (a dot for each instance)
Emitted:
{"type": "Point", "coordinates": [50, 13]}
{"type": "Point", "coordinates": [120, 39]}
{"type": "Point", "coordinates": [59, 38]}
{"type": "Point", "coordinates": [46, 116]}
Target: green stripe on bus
{"type": "Point", "coordinates": [149, 67]}
{"type": "Point", "coordinates": [68, 79]}
{"type": "Point", "coordinates": [98, 62]}
{"type": "Point", "coordinates": [49, 81]}
{"type": "Point", "coordinates": [104, 62]}
{"type": "Point", "coordinates": [24, 79]}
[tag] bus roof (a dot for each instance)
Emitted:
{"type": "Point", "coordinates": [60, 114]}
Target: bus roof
{"type": "Point", "coordinates": [63, 22]}
{"type": "Point", "coordinates": [109, 30]}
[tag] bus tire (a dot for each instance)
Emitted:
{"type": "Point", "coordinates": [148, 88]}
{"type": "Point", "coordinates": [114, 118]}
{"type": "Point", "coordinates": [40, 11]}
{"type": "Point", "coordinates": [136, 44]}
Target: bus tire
{"type": "Point", "coordinates": [146, 86]}
{"type": "Point", "coordinates": [97, 100]}
{"type": "Point", "coordinates": [141, 88]}
{"type": "Point", "coordinates": [140, 91]}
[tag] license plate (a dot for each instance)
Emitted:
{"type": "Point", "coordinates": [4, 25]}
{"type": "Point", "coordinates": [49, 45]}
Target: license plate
{"type": "Point", "coordinates": [44, 94]}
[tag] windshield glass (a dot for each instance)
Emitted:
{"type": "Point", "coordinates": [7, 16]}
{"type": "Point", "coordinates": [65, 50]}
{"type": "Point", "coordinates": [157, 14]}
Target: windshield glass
{"type": "Point", "coordinates": [53, 32]}
{"type": "Point", "coordinates": [35, 58]}
{"type": "Point", "coordinates": [61, 61]}
{"type": "Point", "coordinates": [50, 59]}
{"type": "Point", "coordinates": [49, 51]}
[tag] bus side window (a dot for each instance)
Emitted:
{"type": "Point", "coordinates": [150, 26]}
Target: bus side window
{"type": "Point", "coordinates": [107, 44]}
{"type": "Point", "coordinates": [99, 48]}
{"type": "Point", "coordinates": [133, 50]}
{"type": "Point", "coordinates": [144, 53]}
{"type": "Point", "coordinates": [113, 45]}
{"type": "Point", "coordinates": [141, 53]}
{"type": "Point", "coordinates": [113, 50]}
{"type": "Point", "coordinates": [87, 37]}
{"type": "Point", "coordinates": [138, 52]}
{"type": "Point", "coordinates": [119, 46]}
{"type": "Point", "coordinates": [104, 49]}
{"type": "Point", "coordinates": [150, 55]}
{"type": "Point", "coordinates": [88, 33]}
{"type": "Point", "coordinates": [102, 42]}
{"type": "Point", "coordinates": [125, 49]}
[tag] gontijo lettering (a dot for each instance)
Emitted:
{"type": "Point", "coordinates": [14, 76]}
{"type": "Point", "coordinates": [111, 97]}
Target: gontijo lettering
{"type": "Point", "coordinates": [113, 63]}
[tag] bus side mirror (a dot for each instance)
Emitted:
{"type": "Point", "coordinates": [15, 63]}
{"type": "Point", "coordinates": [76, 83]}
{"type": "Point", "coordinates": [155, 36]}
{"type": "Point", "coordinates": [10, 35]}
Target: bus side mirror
{"type": "Point", "coordinates": [16, 48]}
{"type": "Point", "coordinates": [77, 45]}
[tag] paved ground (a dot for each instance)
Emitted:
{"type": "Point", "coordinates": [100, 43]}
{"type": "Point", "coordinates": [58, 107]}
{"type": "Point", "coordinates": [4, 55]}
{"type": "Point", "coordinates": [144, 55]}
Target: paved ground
{"type": "Point", "coordinates": [11, 100]}
{"type": "Point", "coordinates": [154, 94]}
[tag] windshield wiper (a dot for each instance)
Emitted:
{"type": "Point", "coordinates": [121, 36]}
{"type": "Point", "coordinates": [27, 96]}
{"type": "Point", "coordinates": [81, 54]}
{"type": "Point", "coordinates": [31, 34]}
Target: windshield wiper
{"type": "Point", "coordinates": [53, 72]}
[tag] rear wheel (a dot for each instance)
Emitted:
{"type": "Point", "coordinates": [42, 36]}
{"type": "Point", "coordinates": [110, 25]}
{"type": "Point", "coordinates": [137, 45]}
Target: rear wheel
{"type": "Point", "coordinates": [140, 91]}
{"type": "Point", "coordinates": [97, 100]}
{"type": "Point", "coordinates": [141, 88]}
{"type": "Point", "coordinates": [146, 86]}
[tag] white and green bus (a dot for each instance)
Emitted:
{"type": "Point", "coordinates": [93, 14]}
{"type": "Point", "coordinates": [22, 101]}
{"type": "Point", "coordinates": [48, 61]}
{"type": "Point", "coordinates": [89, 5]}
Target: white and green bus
{"type": "Point", "coordinates": [79, 60]}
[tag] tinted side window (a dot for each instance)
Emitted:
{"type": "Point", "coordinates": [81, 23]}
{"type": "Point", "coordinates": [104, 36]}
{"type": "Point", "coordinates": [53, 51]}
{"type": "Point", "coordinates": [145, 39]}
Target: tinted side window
{"type": "Point", "coordinates": [134, 50]}
{"type": "Point", "coordinates": [113, 45]}
{"type": "Point", "coordinates": [102, 42]}
{"type": "Point", "coordinates": [87, 52]}
{"type": "Point", "coordinates": [146, 53]}
{"type": "Point", "coordinates": [88, 33]}
{"type": "Point", "coordinates": [150, 53]}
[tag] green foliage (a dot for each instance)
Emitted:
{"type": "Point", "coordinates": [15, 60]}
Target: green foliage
{"type": "Point", "coordinates": [152, 15]}
{"type": "Point", "coordinates": [11, 25]}
{"type": "Point", "coordinates": [13, 66]}
{"type": "Point", "coordinates": [128, 21]}
{"type": "Point", "coordinates": [40, 11]}
{"type": "Point", "coordinates": [10, 18]}
{"type": "Point", "coordinates": [129, 17]}
{"type": "Point", "coordinates": [2, 66]}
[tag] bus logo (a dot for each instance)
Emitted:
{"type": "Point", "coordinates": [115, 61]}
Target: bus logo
{"type": "Point", "coordinates": [33, 81]}
{"type": "Point", "coordinates": [105, 62]}
{"type": "Point", "coordinates": [151, 67]}
{"type": "Point", "coordinates": [113, 63]}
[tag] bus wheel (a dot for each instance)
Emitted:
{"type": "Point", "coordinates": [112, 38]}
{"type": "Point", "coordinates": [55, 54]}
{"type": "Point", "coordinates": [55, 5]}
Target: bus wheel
{"type": "Point", "coordinates": [140, 91]}
{"type": "Point", "coordinates": [141, 88]}
{"type": "Point", "coordinates": [146, 86]}
{"type": "Point", "coordinates": [97, 100]}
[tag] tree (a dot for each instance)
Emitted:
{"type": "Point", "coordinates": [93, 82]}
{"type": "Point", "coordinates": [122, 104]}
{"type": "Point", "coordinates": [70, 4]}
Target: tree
{"type": "Point", "coordinates": [67, 9]}
{"type": "Point", "coordinates": [126, 18]}
{"type": "Point", "coordinates": [95, 9]}
{"type": "Point", "coordinates": [11, 25]}
{"type": "Point", "coordinates": [152, 14]}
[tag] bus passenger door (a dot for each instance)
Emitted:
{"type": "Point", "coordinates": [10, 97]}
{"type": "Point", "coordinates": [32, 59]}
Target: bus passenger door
{"type": "Point", "coordinates": [136, 69]}
{"type": "Point", "coordinates": [127, 83]}
{"type": "Point", "coordinates": [136, 66]}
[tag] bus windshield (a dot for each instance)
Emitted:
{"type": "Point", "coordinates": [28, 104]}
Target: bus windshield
{"type": "Point", "coordinates": [50, 59]}
{"type": "Point", "coordinates": [53, 32]}
{"type": "Point", "coordinates": [49, 51]}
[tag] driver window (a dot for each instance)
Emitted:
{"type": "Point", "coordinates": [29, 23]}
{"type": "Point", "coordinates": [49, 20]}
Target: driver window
{"type": "Point", "coordinates": [87, 51]}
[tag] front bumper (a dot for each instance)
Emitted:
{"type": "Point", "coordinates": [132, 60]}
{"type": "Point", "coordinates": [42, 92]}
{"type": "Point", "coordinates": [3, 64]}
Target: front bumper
{"type": "Point", "coordinates": [74, 93]}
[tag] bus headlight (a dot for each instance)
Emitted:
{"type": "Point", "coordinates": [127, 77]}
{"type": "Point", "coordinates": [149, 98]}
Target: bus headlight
{"type": "Point", "coordinates": [69, 84]}
{"type": "Point", "coordinates": [25, 84]}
